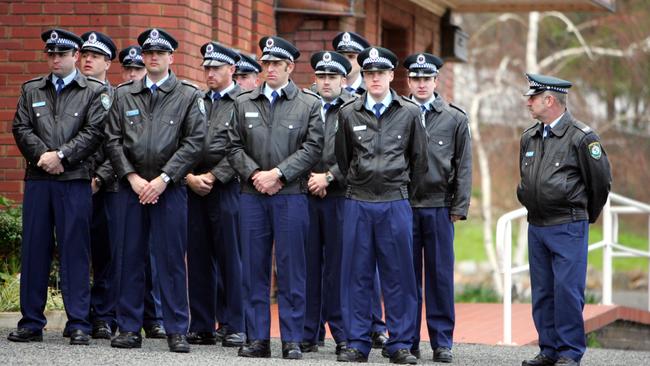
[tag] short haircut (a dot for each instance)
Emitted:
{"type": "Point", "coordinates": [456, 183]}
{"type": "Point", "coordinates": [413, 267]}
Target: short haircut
{"type": "Point", "coordinates": [559, 97]}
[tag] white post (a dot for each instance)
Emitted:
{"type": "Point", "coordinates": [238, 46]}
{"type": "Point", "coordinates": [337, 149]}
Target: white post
{"type": "Point", "coordinates": [648, 263]}
{"type": "Point", "coordinates": [507, 284]}
{"type": "Point", "coordinates": [608, 237]}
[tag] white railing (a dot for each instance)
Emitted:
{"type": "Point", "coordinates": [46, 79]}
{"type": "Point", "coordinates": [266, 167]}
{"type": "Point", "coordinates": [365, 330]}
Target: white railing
{"type": "Point", "coordinates": [611, 249]}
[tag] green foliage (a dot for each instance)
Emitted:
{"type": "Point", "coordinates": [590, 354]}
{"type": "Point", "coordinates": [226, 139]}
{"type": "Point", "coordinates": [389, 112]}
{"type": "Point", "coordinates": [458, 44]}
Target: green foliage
{"type": "Point", "coordinates": [592, 340]}
{"type": "Point", "coordinates": [10, 235]}
{"type": "Point", "coordinates": [10, 295]}
{"type": "Point", "coordinates": [475, 294]}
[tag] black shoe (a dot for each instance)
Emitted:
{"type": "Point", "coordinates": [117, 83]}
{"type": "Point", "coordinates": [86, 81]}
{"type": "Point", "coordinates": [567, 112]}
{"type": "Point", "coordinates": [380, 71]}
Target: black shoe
{"type": "Point", "coordinates": [378, 339]}
{"type": "Point", "coordinates": [66, 333]}
{"type": "Point", "coordinates": [234, 340]}
{"type": "Point", "coordinates": [127, 340]}
{"type": "Point", "coordinates": [78, 337]}
{"type": "Point", "coordinates": [352, 355]}
{"type": "Point", "coordinates": [258, 349]}
{"type": "Point", "coordinates": [403, 357]}
{"type": "Point", "coordinates": [291, 351]}
{"type": "Point", "coordinates": [221, 334]}
{"type": "Point", "coordinates": [101, 330]}
{"type": "Point", "coordinates": [539, 360]}
{"type": "Point", "coordinates": [25, 335]}
{"type": "Point", "coordinates": [155, 330]}
{"type": "Point", "coordinates": [565, 361]}
{"type": "Point", "coordinates": [416, 352]}
{"type": "Point", "coordinates": [341, 347]}
{"type": "Point", "coordinates": [384, 352]}
{"type": "Point", "coordinates": [201, 338]}
{"type": "Point", "coordinates": [307, 347]}
{"type": "Point", "coordinates": [178, 343]}
{"type": "Point", "coordinates": [442, 354]}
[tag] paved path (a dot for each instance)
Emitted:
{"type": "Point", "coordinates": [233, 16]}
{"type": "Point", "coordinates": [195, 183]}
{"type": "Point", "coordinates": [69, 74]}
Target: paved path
{"type": "Point", "coordinates": [54, 350]}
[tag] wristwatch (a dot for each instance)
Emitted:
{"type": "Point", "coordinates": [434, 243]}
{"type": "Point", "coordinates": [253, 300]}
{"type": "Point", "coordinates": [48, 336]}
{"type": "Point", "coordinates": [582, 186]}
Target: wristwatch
{"type": "Point", "coordinates": [165, 178]}
{"type": "Point", "coordinates": [329, 177]}
{"type": "Point", "coordinates": [59, 153]}
{"type": "Point", "coordinates": [279, 172]}
{"type": "Point", "coordinates": [98, 181]}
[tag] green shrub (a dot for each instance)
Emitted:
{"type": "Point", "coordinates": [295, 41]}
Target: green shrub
{"type": "Point", "coordinates": [10, 295]}
{"type": "Point", "coordinates": [10, 236]}
{"type": "Point", "coordinates": [474, 294]}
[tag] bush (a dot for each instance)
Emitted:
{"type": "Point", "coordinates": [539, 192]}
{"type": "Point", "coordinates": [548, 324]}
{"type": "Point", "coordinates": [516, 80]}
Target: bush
{"type": "Point", "coordinates": [476, 294]}
{"type": "Point", "coordinates": [10, 295]}
{"type": "Point", "coordinates": [10, 236]}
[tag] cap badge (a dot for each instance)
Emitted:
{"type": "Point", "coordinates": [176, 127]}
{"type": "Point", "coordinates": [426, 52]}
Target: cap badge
{"type": "Point", "coordinates": [269, 42]}
{"type": "Point", "coordinates": [133, 52]}
{"type": "Point", "coordinates": [346, 37]}
{"type": "Point", "coordinates": [54, 35]}
{"type": "Point", "coordinates": [209, 48]}
{"type": "Point", "coordinates": [374, 53]}
{"type": "Point", "coordinates": [154, 34]}
{"type": "Point", "coordinates": [327, 57]}
{"type": "Point", "coordinates": [420, 59]}
{"type": "Point", "coordinates": [92, 37]}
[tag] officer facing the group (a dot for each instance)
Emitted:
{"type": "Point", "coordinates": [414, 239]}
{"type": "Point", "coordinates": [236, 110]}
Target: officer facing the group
{"type": "Point", "coordinates": [97, 52]}
{"type": "Point", "coordinates": [439, 199]}
{"type": "Point", "coordinates": [565, 181]}
{"type": "Point", "coordinates": [247, 72]}
{"type": "Point", "coordinates": [213, 209]}
{"type": "Point", "coordinates": [58, 125]}
{"type": "Point", "coordinates": [155, 136]}
{"type": "Point", "coordinates": [381, 145]}
{"type": "Point", "coordinates": [350, 45]}
{"type": "Point", "coordinates": [326, 187]}
{"type": "Point", "coordinates": [132, 63]}
{"type": "Point", "coordinates": [276, 138]}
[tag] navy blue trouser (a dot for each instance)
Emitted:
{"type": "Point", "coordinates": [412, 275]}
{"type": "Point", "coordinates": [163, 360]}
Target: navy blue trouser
{"type": "Point", "coordinates": [557, 256]}
{"type": "Point", "coordinates": [163, 226]}
{"type": "Point", "coordinates": [213, 245]}
{"type": "Point", "coordinates": [378, 324]}
{"type": "Point", "coordinates": [378, 235]}
{"type": "Point", "coordinates": [62, 208]}
{"type": "Point", "coordinates": [285, 219]}
{"type": "Point", "coordinates": [433, 242]}
{"type": "Point", "coordinates": [323, 258]}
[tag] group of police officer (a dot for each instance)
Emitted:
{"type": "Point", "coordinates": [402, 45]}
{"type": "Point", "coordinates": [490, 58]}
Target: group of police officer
{"type": "Point", "coordinates": [352, 188]}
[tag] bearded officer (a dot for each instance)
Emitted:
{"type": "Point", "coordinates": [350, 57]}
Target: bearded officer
{"type": "Point", "coordinates": [565, 181]}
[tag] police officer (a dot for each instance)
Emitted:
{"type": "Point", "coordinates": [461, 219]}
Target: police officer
{"type": "Point", "coordinates": [155, 136]}
{"type": "Point", "coordinates": [132, 63]}
{"type": "Point", "coordinates": [565, 181]}
{"type": "Point", "coordinates": [350, 45]}
{"type": "Point", "coordinates": [247, 72]}
{"type": "Point", "coordinates": [326, 187]}
{"type": "Point", "coordinates": [58, 125]}
{"type": "Point", "coordinates": [439, 199]}
{"type": "Point", "coordinates": [276, 139]}
{"type": "Point", "coordinates": [97, 52]}
{"type": "Point", "coordinates": [380, 144]}
{"type": "Point", "coordinates": [213, 206]}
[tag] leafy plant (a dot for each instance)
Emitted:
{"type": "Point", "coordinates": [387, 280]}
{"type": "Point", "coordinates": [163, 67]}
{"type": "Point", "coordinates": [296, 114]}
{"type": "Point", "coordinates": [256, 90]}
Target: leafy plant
{"type": "Point", "coordinates": [10, 236]}
{"type": "Point", "coordinates": [474, 294]}
{"type": "Point", "coordinates": [10, 295]}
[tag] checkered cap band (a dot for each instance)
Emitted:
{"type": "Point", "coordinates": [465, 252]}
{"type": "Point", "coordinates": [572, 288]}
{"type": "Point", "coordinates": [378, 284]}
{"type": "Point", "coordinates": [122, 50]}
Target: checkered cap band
{"type": "Point", "coordinates": [378, 60]}
{"type": "Point", "coordinates": [97, 44]}
{"type": "Point", "coordinates": [425, 65]}
{"type": "Point", "coordinates": [350, 43]}
{"type": "Point", "coordinates": [247, 65]}
{"type": "Point", "coordinates": [275, 49]}
{"type": "Point", "coordinates": [538, 86]}
{"type": "Point", "coordinates": [60, 41]}
{"type": "Point", "coordinates": [158, 41]}
{"type": "Point", "coordinates": [332, 64]}
{"type": "Point", "coordinates": [220, 57]}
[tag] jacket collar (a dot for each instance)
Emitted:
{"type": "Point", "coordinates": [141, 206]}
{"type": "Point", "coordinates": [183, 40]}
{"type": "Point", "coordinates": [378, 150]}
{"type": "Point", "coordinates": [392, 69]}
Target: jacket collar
{"type": "Point", "coordinates": [359, 104]}
{"type": "Point", "coordinates": [438, 103]}
{"type": "Point", "coordinates": [232, 93]}
{"type": "Point", "coordinates": [290, 91]}
{"type": "Point", "coordinates": [559, 130]}
{"type": "Point", "coordinates": [79, 78]}
{"type": "Point", "coordinates": [167, 86]}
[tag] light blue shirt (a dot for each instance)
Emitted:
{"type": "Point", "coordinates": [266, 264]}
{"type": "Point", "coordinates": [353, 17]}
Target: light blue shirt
{"type": "Point", "coordinates": [323, 112]}
{"type": "Point", "coordinates": [426, 104]}
{"type": "Point", "coordinates": [223, 92]}
{"type": "Point", "coordinates": [553, 124]}
{"type": "Point", "coordinates": [66, 80]}
{"type": "Point", "coordinates": [160, 82]}
{"type": "Point", "coordinates": [357, 83]}
{"type": "Point", "coordinates": [370, 102]}
{"type": "Point", "coordinates": [268, 91]}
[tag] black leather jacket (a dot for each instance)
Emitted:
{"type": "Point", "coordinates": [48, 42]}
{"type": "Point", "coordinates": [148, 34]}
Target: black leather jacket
{"type": "Point", "coordinates": [288, 136]}
{"type": "Point", "coordinates": [565, 177]}
{"type": "Point", "coordinates": [328, 159]}
{"type": "Point", "coordinates": [151, 134]}
{"type": "Point", "coordinates": [73, 122]}
{"type": "Point", "coordinates": [219, 121]}
{"type": "Point", "coordinates": [379, 157]}
{"type": "Point", "coordinates": [449, 180]}
{"type": "Point", "coordinates": [101, 164]}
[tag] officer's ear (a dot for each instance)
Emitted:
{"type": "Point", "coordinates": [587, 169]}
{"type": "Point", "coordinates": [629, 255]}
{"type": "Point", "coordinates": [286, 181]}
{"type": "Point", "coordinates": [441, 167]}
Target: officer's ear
{"type": "Point", "coordinates": [232, 70]}
{"type": "Point", "coordinates": [75, 55]}
{"type": "Point", "coordinates": [290, 67]}
{"type": "Point", "coordinates": [391, 75]}
{"type": "Point", "coordinates": [171, 58]}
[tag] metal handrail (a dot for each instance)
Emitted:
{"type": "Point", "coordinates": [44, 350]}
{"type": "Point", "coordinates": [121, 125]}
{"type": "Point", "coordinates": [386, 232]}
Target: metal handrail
{"type": "Point", "coordinates": [609, 244]}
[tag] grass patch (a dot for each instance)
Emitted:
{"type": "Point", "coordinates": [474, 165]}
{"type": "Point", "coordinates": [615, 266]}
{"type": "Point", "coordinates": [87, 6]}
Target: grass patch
{"type": "Point", "coordinates": [10, 295]}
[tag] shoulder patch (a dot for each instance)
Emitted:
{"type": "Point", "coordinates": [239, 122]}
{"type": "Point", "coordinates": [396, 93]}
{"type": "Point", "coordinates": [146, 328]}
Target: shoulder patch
{"type": "Point", "coordinates": [106, 101]}
{"type": "Point", "coordinates": [201, 104]}
{"type": "Point", "coordinates": [582, 127]}
{"type": "Point", "coordinates": [461, 110]}
{"type": "Point", "coordinates": [307, 91]}
{"type": "Point", "coordinates": [190, 84]}
{"type": "Point", "coordinates": [595, 150]}
{"type": "Point", "coordinates": [125, 83]}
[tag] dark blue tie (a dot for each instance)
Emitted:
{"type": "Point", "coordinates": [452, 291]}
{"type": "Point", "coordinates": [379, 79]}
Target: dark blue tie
{"type": "Point", "coordinates": [350, 89]}
{"type": "Point", "coordinates": [59, 86]}
{"type": "Point", "coordinates": [423, 108]}
{"type": "Point", "coordinates": [377, 109]}
{"type": "Point", "coordinates": [327, 106]}
{"type": "Point", "coordinates": [547, 131]}
{"type": "Point", "coordinates": [216, 96]}
{"type": "Point", "coordinates": [154, 88]}
{"type": "Point", "coordinates": [274, 97]}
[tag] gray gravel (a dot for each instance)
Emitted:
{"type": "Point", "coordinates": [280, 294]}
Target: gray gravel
{"type": "Point", "coordinates": [55, 350]}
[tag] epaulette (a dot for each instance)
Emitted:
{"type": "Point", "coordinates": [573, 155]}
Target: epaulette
{"type": "Point", "coordinates": [407, 99]}
{"type": "Point", "coordinates": [34, 79]}
{"type": "Point", "coordinates": [95, 80]}
{"type": "Point", "coordinates": [307, 91]}
{"type": "Point", "coordinates": [531, 127]}
{"type": "Point", "coordinates": [125, 83]}
{"type": "Point", "coordinates": [461, 110]}
{"type": "Point", "coordinates": [185, 82]}
{"type": "Point", "coordinates": [582, 127]}
{"type": "Point", "coordinates": [348, 102]}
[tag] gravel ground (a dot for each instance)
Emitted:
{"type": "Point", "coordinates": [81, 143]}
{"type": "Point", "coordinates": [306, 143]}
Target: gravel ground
{"type": "Point", "coordinates": [55, 350]}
